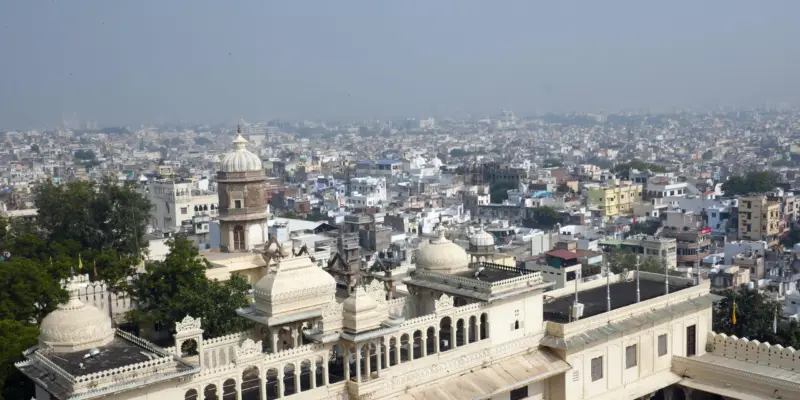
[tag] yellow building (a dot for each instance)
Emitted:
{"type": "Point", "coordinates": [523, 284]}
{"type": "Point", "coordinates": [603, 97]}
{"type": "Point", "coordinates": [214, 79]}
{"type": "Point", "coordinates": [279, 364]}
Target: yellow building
{"type": "Point", "coordinates": [614, 197]}
{"type": "Point", "coordinates": [760, 219]}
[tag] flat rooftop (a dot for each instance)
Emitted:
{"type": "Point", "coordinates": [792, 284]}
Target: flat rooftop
{"type": "Point", "coordinates": [118, 353]}
{"type": "Point", "coordinates": [493, 272]}
{"type": "Point", "coordinates": [594, 300]}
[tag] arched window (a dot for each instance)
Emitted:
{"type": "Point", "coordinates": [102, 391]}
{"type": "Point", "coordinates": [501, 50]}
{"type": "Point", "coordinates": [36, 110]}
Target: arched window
{"type": "Point", "coordinates": [238, 237]}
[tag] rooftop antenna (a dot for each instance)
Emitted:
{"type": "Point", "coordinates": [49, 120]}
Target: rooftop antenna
{"type": "Point", "coordinates": [638, 293]}
{"type": "Point", "coordinates": [608, 284]}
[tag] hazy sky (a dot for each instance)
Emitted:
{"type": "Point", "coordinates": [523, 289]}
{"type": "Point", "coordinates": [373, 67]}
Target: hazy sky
{"type": "Point", "coordinates": [134, 61]}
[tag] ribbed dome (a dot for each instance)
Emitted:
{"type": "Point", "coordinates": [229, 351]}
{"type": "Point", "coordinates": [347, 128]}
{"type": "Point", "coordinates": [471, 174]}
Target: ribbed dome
{"type": "Point", "coordinates": [240, 159]}
{"type": "Point", "coordinates": [481, 238]}
{"type": "Point", "coordinates": [75, 326]}
{"type": "Point", "coordinates": [443, 256]}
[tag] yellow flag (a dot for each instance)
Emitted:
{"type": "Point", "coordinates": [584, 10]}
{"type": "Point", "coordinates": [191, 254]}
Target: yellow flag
{"type": "Point", "coordinates": [733, 319]}
{"type": "Point", "coordinates": [80, 263]}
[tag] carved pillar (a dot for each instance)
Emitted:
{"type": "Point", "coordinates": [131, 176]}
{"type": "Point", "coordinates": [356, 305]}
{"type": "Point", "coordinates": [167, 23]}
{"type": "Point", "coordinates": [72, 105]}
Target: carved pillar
{"type": "Point", "coordinates": [435, 344]}
{"type": "Point", "coordinates": [411, 348]}
{"type": "Point", "coordinates": [273, 339]}
{"type": "Point", "coordinates": [452, 336]}
{"type": "Point", "coordinates": [297, 372]}
{"type": "Point", "coordinates": [313, 368]}
{"type": "Point", "coordinates": [423, 345]}
{"type": "Point", "coordinates": [238, 390]}
{"type": "Point", "coordinates": [478, 329]}
{"type": "Point", "coordinates": [397, 351]}
{"type": "Point", "coordinates": [347, 364]}
{"type": "Point", "coordinates": [358, 363]}
{"type": "Point", "coordinates": [279, 384]}
{"type": "Point", "coordinates": [378, 358]}
{"type": "Point", "coordinates": [368, 361]}
{"type": "Point", "coordinates": [262, 386]}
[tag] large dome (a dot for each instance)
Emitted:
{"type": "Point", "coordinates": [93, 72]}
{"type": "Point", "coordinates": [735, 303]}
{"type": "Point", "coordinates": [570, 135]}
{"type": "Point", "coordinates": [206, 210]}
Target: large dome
{"type": "Point", "coordinates": [442, 256]}
{"type": "Point", "coordinates": [75, 326]}
{"type": "Point", "coordinates": [240, 159]}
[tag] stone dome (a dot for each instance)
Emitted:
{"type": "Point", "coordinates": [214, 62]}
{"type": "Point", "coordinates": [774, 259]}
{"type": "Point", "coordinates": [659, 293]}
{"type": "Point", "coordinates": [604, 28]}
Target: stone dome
{"type": "Point", "coordinates": [481, 239]}
{"type": "Point", "coordinates": [359, 302]}
{"type": "Point", "coordinates": [240, 159]}
{"type": "Point", "coordinates": [75, 326]}
{"type": "Point", "coordinates": [442, 256]}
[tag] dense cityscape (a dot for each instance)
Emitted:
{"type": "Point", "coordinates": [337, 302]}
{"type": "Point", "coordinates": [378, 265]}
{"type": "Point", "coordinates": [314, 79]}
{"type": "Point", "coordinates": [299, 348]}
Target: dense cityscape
{"type": "Point", "coordinates": [198, 262]}
{"type": "Point", "coordinates": [416, 200]}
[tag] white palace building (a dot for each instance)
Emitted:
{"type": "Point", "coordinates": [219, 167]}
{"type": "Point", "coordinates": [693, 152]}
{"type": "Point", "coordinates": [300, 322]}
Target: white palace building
{"type": "Point", "coordinates": [454, 328]}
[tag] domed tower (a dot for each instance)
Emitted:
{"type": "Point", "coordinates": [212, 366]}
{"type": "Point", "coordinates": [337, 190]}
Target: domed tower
{"type": "Point", "coordinates": [481, 246]}
{"type": "Point", "coordinates": [243, 207]}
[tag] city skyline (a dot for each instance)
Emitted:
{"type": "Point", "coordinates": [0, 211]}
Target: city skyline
{"type": "Point", "coordinates": [155, 63]}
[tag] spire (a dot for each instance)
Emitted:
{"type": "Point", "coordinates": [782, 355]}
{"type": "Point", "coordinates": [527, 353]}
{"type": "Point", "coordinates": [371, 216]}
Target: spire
{"type": "Point", "coordinates": [239, 143]}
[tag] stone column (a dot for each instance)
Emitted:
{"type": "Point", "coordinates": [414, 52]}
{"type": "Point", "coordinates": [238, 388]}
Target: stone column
{"type": "Point", "coordinates": [478, 329]}
{"type": "Point", "coordinates": [435, 344]}
{"type": "Point", "coordinates": [358, 363]}
{"type": "Point", "coordinates": [411, 348]}
{"type": "Point", "coordinates": [238, 390]}
{"type": "Point", "coordinates": [297, 371]}
{"type": "Point", "coordinates": [262, 386]}
{"type": "Point", "coordinates": [397, 352]}
{"type": "Point", "coordinates": [273, 338]}
{"type": "Point", "coordinates": [423, 345]}
{"type": "Point", "coordinates": [347, 364]}
{"type": "Point", "coordinates": [368, 361]}
{"type": "Point", "coordinates": [378, 358]}
{"type": "Point", "coordinates": [313, 369]}
{"type": "Point", "coordinates": [452, 335]}
{"type": "Point", "coordinates": [279, 384]}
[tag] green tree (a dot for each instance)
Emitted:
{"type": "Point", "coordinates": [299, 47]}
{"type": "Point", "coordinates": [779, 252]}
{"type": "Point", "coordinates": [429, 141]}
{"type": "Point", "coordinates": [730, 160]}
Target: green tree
{"type": "Point", "coordinates": [754, 317]}
{"type": "Point", "coordinates": [84, 155]}
{"type": "Point", "coordinates": [708, 155]}
{"type": "Point", "coordinates": [171, 289]}
{"type": "Point", "coordinates": [647, 228]}
{"type": "Point", "coordinates": [624, 169]}
{"type": "Point", "coordinates": [564, 188]}
{"type": "Point", "coordinates": [458, 153]}
{"type": "Point", "coordinates": [552, 163]}
{"type": "Point", "coordinates": [751, 182]}
{"type": "Point", "coordinates": [101, 218]}
{"type": "Point", "coordinates": [15, 337]}
{"type": "Point", "coordinates": [28, 291]}
{"type": "Point", "coordinates": [620, 260]}
{"type": "Point", "coordinates": [545, 217]}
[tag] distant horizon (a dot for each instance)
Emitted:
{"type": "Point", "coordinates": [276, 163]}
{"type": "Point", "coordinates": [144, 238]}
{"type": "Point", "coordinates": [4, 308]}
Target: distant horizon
{"type": "Point", "coordinates": [154, 62]}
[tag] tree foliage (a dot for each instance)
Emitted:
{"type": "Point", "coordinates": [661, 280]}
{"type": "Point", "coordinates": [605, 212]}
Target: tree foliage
{"type": "Point", "coordinates": [545, 217]}
{"type": "Point", "coordinates": [552, 163]}
{"type": "Point", "coordinates": [620, 260]}
{"type": "Point", "coordinates": [755, 313]}
{"type": "Point", "coordinates": [15, 337]}
{"type": "Point", "coordinates": [624, 169]}
{"type": "Point", "coordinates": [85, 155]}
{"type": "Point", "coordinates": [171, 289]}
{"type": "Point", "coordinates": [751, 182]}
{"type": "Point", "coordinates": [458, 153]}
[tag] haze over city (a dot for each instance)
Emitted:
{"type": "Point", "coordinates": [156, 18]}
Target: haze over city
{"type": "Point", "coordinates": [211, 61]}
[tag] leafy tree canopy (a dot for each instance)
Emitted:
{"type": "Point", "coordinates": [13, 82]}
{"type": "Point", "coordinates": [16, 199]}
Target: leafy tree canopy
{"type": "Point", "coordinates": [755, 313]}
{"type": "Point", "coordinates": [545, 217]}
{"type": "Point", "coordinates": [499, 191]}
{"type": "Point", "coordinates": [171, 289]}
{"type": "Point", "coordinates": [751, 182]}
{"type": "Point", "coordinates": [552, 163]}
{"type": "Point", "coordinates": [624, 169]}
{"type": "Point", "coordinates": [85, 155]}
{"type": "Point", "coordinates": [458, 153]}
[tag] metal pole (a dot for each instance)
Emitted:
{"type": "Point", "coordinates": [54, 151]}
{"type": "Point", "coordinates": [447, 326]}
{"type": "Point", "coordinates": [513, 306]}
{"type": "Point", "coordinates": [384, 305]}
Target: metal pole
{"type": "Point", "coordinates": [638, 292]}
{"type": "Point", "coordinates": [666, 277]}
{"type": "Point", "coordinates": [608, 284]}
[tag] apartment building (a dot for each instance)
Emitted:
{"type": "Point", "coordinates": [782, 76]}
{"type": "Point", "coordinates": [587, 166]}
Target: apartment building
{"type": "Point", "coordinates": [760, 219]}
{"type": "Point", "coordinates": [613, 198]}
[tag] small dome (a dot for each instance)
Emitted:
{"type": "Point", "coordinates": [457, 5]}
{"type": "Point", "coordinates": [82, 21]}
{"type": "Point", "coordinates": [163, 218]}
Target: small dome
{"type": "Point", "coordinates": [240, 159]}
{"type": "Point", "coordinates": [481, 238]}
{"type": "Point", "coordinates": [442, 256]}
{"type": "Point", "coordinates": [75, 326]}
